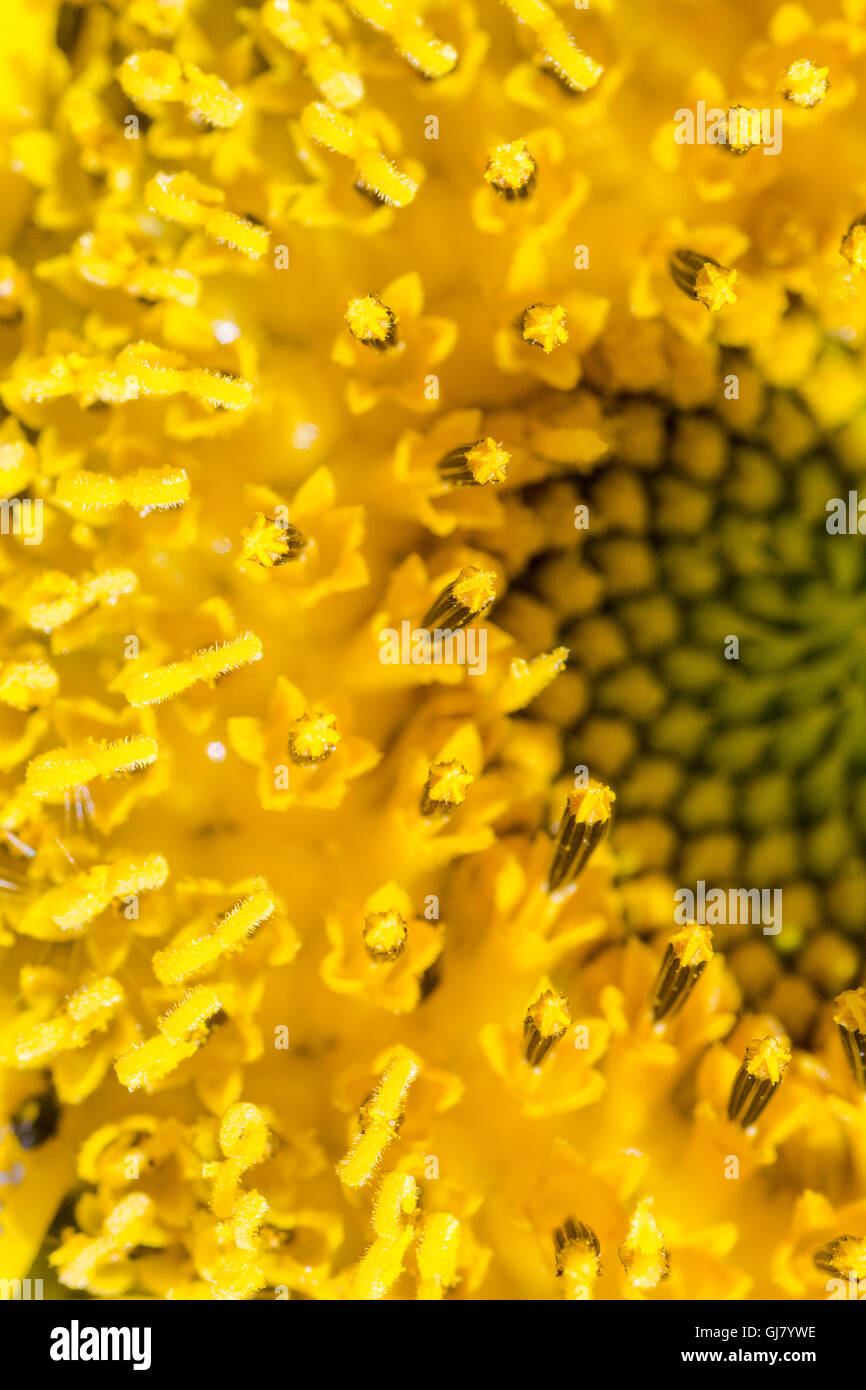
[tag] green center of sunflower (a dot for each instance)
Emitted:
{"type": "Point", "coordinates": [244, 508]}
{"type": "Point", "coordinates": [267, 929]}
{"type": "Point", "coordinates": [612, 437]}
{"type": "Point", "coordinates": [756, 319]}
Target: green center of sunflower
{"type": "Point", "coordinates": [713, 606]}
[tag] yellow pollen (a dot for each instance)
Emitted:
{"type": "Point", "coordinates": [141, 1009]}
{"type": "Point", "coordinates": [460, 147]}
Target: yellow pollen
{"type": "Point", "coordinates": [511, 169]}
{"type": "Point", "coordinates": [853, 246]}
{"type": "Point", "coordinates": [26, 685]}
{"type": "Point", "coordinates": [438, 1250]}
{"type": "Point", "coordinates": [544, 326]}
{"type": "Point", "coordinates": [185, 957]}
{"type": "Point", "coordinates": [385, 935]}
{"type": "Point", "coordinates": [744, 130]}
{"type": "Point", "coordinates": [578, 1261]}
{"type": "Point", "coordinates": [379, 1121]}
{"type": "Point", "coordinates": [270, 544]}
{"type": "Point", "coordinates": [703, 279]}
{"type": "Point", "coordinates": [313, 737]}
{"type": "Point", "coordinates": [474, 589]}
{"type": "Point", "coordinates": [549, 1014]}
{"type": "Point", "coordinates": [693, 945]}
{"type": "Point", "coordinates": [445, 788]}
{"type": "Point", "coordinates": [55, 773]}
{"type": "Point", "coordinates": [375, 174]}
{"type": "Point", "coordinates": [487, 461]}
{"type": "Point", "coordinates": [591, 805]}
{"type": "Point", "coordinates": [372, 322]}
{"type": "Point", "coordinates": [546, 1021]}
{"type": "Point", "coordinates": [714, 286]}
{"type": "Point", "coordinates": [850, 1011]}
{"type": "Point", "coordinates": [804, 83]}
{"type": "Point", "coordinates": [146, 489]}
{"type": "Point", "coordinates": [419, 46]}
{"type": "Point", "coordinates": [557, 49]}
{"type": "Point", "coordinates": [844, 1256]}
{"type": "Point", "coordinates": [164, 682]}
{"type": "Point", "coordinates": [767, 1059]}
{"type": "Point", "coordinates": [643, 1255]}
{"type": "Point", "coordinates": [463, 600]}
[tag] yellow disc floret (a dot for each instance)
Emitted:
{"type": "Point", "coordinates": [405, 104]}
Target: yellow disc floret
{"type": "Point", "coordinates": [372, 322]}
{"type": "Point", "coordinates": [544, 326]}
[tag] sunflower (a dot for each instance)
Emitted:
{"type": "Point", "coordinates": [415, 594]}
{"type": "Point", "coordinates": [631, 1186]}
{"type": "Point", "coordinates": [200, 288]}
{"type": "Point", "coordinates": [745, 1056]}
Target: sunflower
{"type": "Point", "coordinates": [431, 543]}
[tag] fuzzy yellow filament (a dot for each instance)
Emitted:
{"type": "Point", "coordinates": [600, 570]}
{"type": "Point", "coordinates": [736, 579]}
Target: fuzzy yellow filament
{"type": "Point", "coordinates": [154, 76]}
{"type": "Point", "coordinates": [86, 1011]}
{"type": "Point", "coordinates": [69, 909]}
{"type": "Point", "coordinates": [186, 957]}
{"type": "Point", "coordinates": [373, 170]}
{"type": "Point", "coordinates": [556, 46]}
{"type": "Point", "coordinates": [165, 682]}
{"type": "Point", "coordinates": [419, 46]}
{"type": "Point", "coordinates": [185, 199]}
{"type": "Point", "coordinates": [304, 32]}
{"type": "Point", "coordinates": [27, 685]}
{"type": "Point", "coordinates": [380, 1118]}
{"type": "Point", "coordinates": [141, 490]}
{"type": "Point", "coordinates": [394, 1215]}
{"type": "Point", "coordinates": [180, 1033]}
{"type": "Point", "coordinates": [53, 774]}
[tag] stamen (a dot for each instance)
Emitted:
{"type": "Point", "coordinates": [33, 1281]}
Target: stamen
{"type": "Point", "coordinates": [303, 32]}
{"type": "Point", "coordinates": [245, 1140]}
{"type": "Point", "coordinates": [578, 1257]}
{"type": "Point", "coordinates": [703, 279]}
{"type": "Point", "coordinates": [445, 789]}
{"type": "Point", "coordinates": [743, 131]}
{"type": "Point", "coordinates": [853, 246]}
{"type": "Point", "coordinates": [844, 1256]}
{"type": "Point", "coordinates": [544, 326]}
{"type": "Point", "coordinates": [185, 957]}
{"type": "Point", "coordinates": [511, 170]}
{"type": "Point", "coordinates": [313, 737]}
{"type": "Point", "coordinates": [485, 461]}
{"type": "Point", "coordinates": [79, 1255]}
{"type": "Point", "coordinates": [684, 962]}
{"type": "Point", "coordinates": [584, 824]}
{"type": "Point", "coordinates": [147, 489]}
{"type": "Point", "coordinates": [643, 1255]}
{"type": "Point", "coordinates": [180, 1034]}
{"type": "Point", "coordinates": [164, 682]}
{"type": "Point", "coordinates": [372, 323]}
{"type": "Point", "coordinates": [385, 935]}
{"type": "Point", "coordinates": [547, 1020]}
{"type": "Point", "coordinates": [54, 599]}
{"type": "Point", "coordinates": [561, 54]}
{"type": "Point", "coordinates": [27, 685]}
{"type": "Point", "coordinates": [379, 1119]}
{"type": "Point", "coordinates": [52, 775]}
{"type": "Point", "coordinates": [156, 76]}
{"type": "Point", "coordinates": [68, 909]}
{"type": "Point", "coordinates": [758, 1079]}
{"type": "Point", "coordinates": [141, 369]}
{"type": "Point", "coordinates": [419, 46]}
{"type": "Point", "coordinates": [850, 1016]}
{"type": "Point", "coordinates": [87, 1010]}
{"type": "Point", "coordinates": [438, 1250]}
{"type": "Point", "coordinates": [373, 171]}
{"type": "Point", "coordinates": [463, 600]}
{"type": "Point", "coordinates": [270, 543]}
{"type": "Point", "coordinates": [182, 198]}
{"type": "Point", "coordinates": [804, 83]}
{"type": "Point", "coordinates": [394, 1218]}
